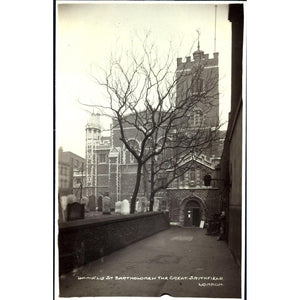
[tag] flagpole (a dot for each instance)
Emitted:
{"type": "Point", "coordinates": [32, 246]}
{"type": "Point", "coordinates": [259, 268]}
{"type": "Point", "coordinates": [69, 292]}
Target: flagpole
{"type": "Point", "coordinates": [215, 39]}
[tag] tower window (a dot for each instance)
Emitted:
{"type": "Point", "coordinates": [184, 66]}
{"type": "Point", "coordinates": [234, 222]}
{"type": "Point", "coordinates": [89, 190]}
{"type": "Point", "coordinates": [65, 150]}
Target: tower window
{"type": "Point", "coordinates": [196, 118]}
{"type": "Point", "coordinates": [197, 85]}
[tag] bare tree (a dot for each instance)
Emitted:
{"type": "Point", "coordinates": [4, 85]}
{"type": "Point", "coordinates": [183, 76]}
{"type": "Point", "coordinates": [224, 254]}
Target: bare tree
{"type": "Point", "coordinates": [167, 109]}
{"type": "Point", "coordinates": [172, 164]}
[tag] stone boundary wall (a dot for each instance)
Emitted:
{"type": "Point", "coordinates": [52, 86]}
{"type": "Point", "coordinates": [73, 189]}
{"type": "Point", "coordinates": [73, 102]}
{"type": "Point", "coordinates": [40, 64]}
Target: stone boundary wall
{"type": "Point", "coordinates": [83, 241]}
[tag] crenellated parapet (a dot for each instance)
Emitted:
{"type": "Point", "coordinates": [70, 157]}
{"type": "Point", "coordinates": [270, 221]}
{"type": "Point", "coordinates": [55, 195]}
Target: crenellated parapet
{"type": "Point", "coordinates": [198, 57]}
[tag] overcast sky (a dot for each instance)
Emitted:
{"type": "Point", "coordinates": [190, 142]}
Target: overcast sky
{"type": "Point", "coordinates": [86, 34]}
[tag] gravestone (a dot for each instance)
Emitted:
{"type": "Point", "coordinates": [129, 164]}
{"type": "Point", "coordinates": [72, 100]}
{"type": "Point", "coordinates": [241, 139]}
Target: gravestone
{"type": "Point", "coordinates": [106, 205]}
{"type": "Point", "coordinates": [125, 207]}
{"type": "Point", "coordinates": [85, 202]}
{"type": "Point", "coordinates": [118, 207]}
{"type": "Point", "coordinates": [60, 210]}
{"type": "Point", "coordinates": [92, 203]}
{"type": "Point", "coordinates": [144, 204]}
{"type": "Point", "coordinates": [99, 203]}
{"type": "Point", "coordinates": [64, 201]}
{"type": "Point", "coordinates": [75, 211]}
{"type": "Point", "coordinates": [63, 204]}
{"type": "Point", "coordinates": [138, 206]}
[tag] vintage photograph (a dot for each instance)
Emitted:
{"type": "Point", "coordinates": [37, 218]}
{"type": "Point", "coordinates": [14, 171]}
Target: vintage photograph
{"type": "Point", "coordinates": [150, 145]}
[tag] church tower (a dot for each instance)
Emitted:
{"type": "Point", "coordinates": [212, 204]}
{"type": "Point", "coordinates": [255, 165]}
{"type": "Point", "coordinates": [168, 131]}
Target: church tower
{"type": "Point", "coordinates": [199, 79]}
{"type": "Point", "coordinates": [93, 136]}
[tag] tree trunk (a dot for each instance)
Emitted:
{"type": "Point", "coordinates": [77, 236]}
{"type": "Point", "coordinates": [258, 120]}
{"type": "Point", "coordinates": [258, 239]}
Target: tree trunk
{"type": "Point", "coordinates": [136, 188]}
{"type": "Point", "coordinates": [151, 201]}
{"type": "Point", "coordinates": [151, 185]}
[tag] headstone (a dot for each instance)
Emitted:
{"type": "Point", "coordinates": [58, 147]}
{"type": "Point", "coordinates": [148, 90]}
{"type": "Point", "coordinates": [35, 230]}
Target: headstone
{"type": "Point", "coordinates": [64, 201]}
{"type": "Point", "coordinates": [106, 205]}
{"type": "Point", "coordinates": [118, 207]}
{"type": "Point", "coordinates": [75, 211]}
{"type": "Point", "coordinates": [138, 206]}
{"type": "Point", "coordinates": [92, 203]}
{"type": "Point", "coordinates": [125, 207]}
{"type": "Point", "coordinates": [85, 202]}
{"type": "Point", "coordinates": [147, 205]}
{"type": "Point", "coordinates": [63, 207]}
{"type": "Point", "coordinates": [99, 203]}
{"type": "Point", "coordinates": [144, 204]}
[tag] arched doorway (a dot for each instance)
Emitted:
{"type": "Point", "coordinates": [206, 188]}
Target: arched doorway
{"type": "Point", "coordinates": [192, 214]}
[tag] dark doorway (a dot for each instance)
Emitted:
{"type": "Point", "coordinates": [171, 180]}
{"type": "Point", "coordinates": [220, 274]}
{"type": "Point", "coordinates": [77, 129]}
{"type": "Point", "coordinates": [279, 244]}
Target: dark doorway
{"type": "Point", "coordinates": [192, 214]}
{"type": "Point", "coordinates": [196, 217]}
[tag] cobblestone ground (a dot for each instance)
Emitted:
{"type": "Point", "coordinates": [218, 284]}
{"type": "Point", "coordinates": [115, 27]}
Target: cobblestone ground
{"type": "Point", "coordinates": [181, 262]}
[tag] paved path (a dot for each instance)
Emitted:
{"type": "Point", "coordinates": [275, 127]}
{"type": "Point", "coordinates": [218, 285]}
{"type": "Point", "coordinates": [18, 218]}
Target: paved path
{"type": "Point", "coordinates": [182, 262]}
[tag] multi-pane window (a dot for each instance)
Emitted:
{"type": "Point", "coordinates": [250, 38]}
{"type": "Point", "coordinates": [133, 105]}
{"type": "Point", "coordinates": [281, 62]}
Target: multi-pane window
{"type": "Point", "coordinates": [196, 118]}
{"type": "Point", "coordinates": [163, 204]}
{"type": "Point", "coordinates": [102, 158]}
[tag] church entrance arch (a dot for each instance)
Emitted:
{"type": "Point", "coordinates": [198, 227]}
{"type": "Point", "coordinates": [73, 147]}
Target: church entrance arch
{"type": "Point", "coordinates": [192, 214]}
{"type": "Point", "coordinates": [193, 210]}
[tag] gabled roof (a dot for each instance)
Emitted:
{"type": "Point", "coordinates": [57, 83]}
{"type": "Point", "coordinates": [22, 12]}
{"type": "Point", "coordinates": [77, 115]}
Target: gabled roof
{"type": "Point", "coordinates": [202, 160]}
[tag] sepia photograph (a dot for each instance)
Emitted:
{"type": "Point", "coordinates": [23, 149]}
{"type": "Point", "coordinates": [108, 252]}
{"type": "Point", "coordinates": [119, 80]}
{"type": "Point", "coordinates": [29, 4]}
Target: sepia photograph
{"type": "Point", "coordinates": [150, 135]}
{"type": "Point", "coordinates": [142, 146]}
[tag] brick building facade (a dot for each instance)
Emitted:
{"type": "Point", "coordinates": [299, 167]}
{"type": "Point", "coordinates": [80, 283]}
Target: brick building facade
{"type": "Point", "coordinates": [70, 174]}
{"type": "Point", "coordinates": [111, 168]}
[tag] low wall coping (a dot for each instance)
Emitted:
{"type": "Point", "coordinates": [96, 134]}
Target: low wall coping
{"type": "Point", "coordinates": [107, 220]}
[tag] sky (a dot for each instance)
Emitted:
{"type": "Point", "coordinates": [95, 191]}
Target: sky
{"type": "Point", "coordinates": [87, 33]}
